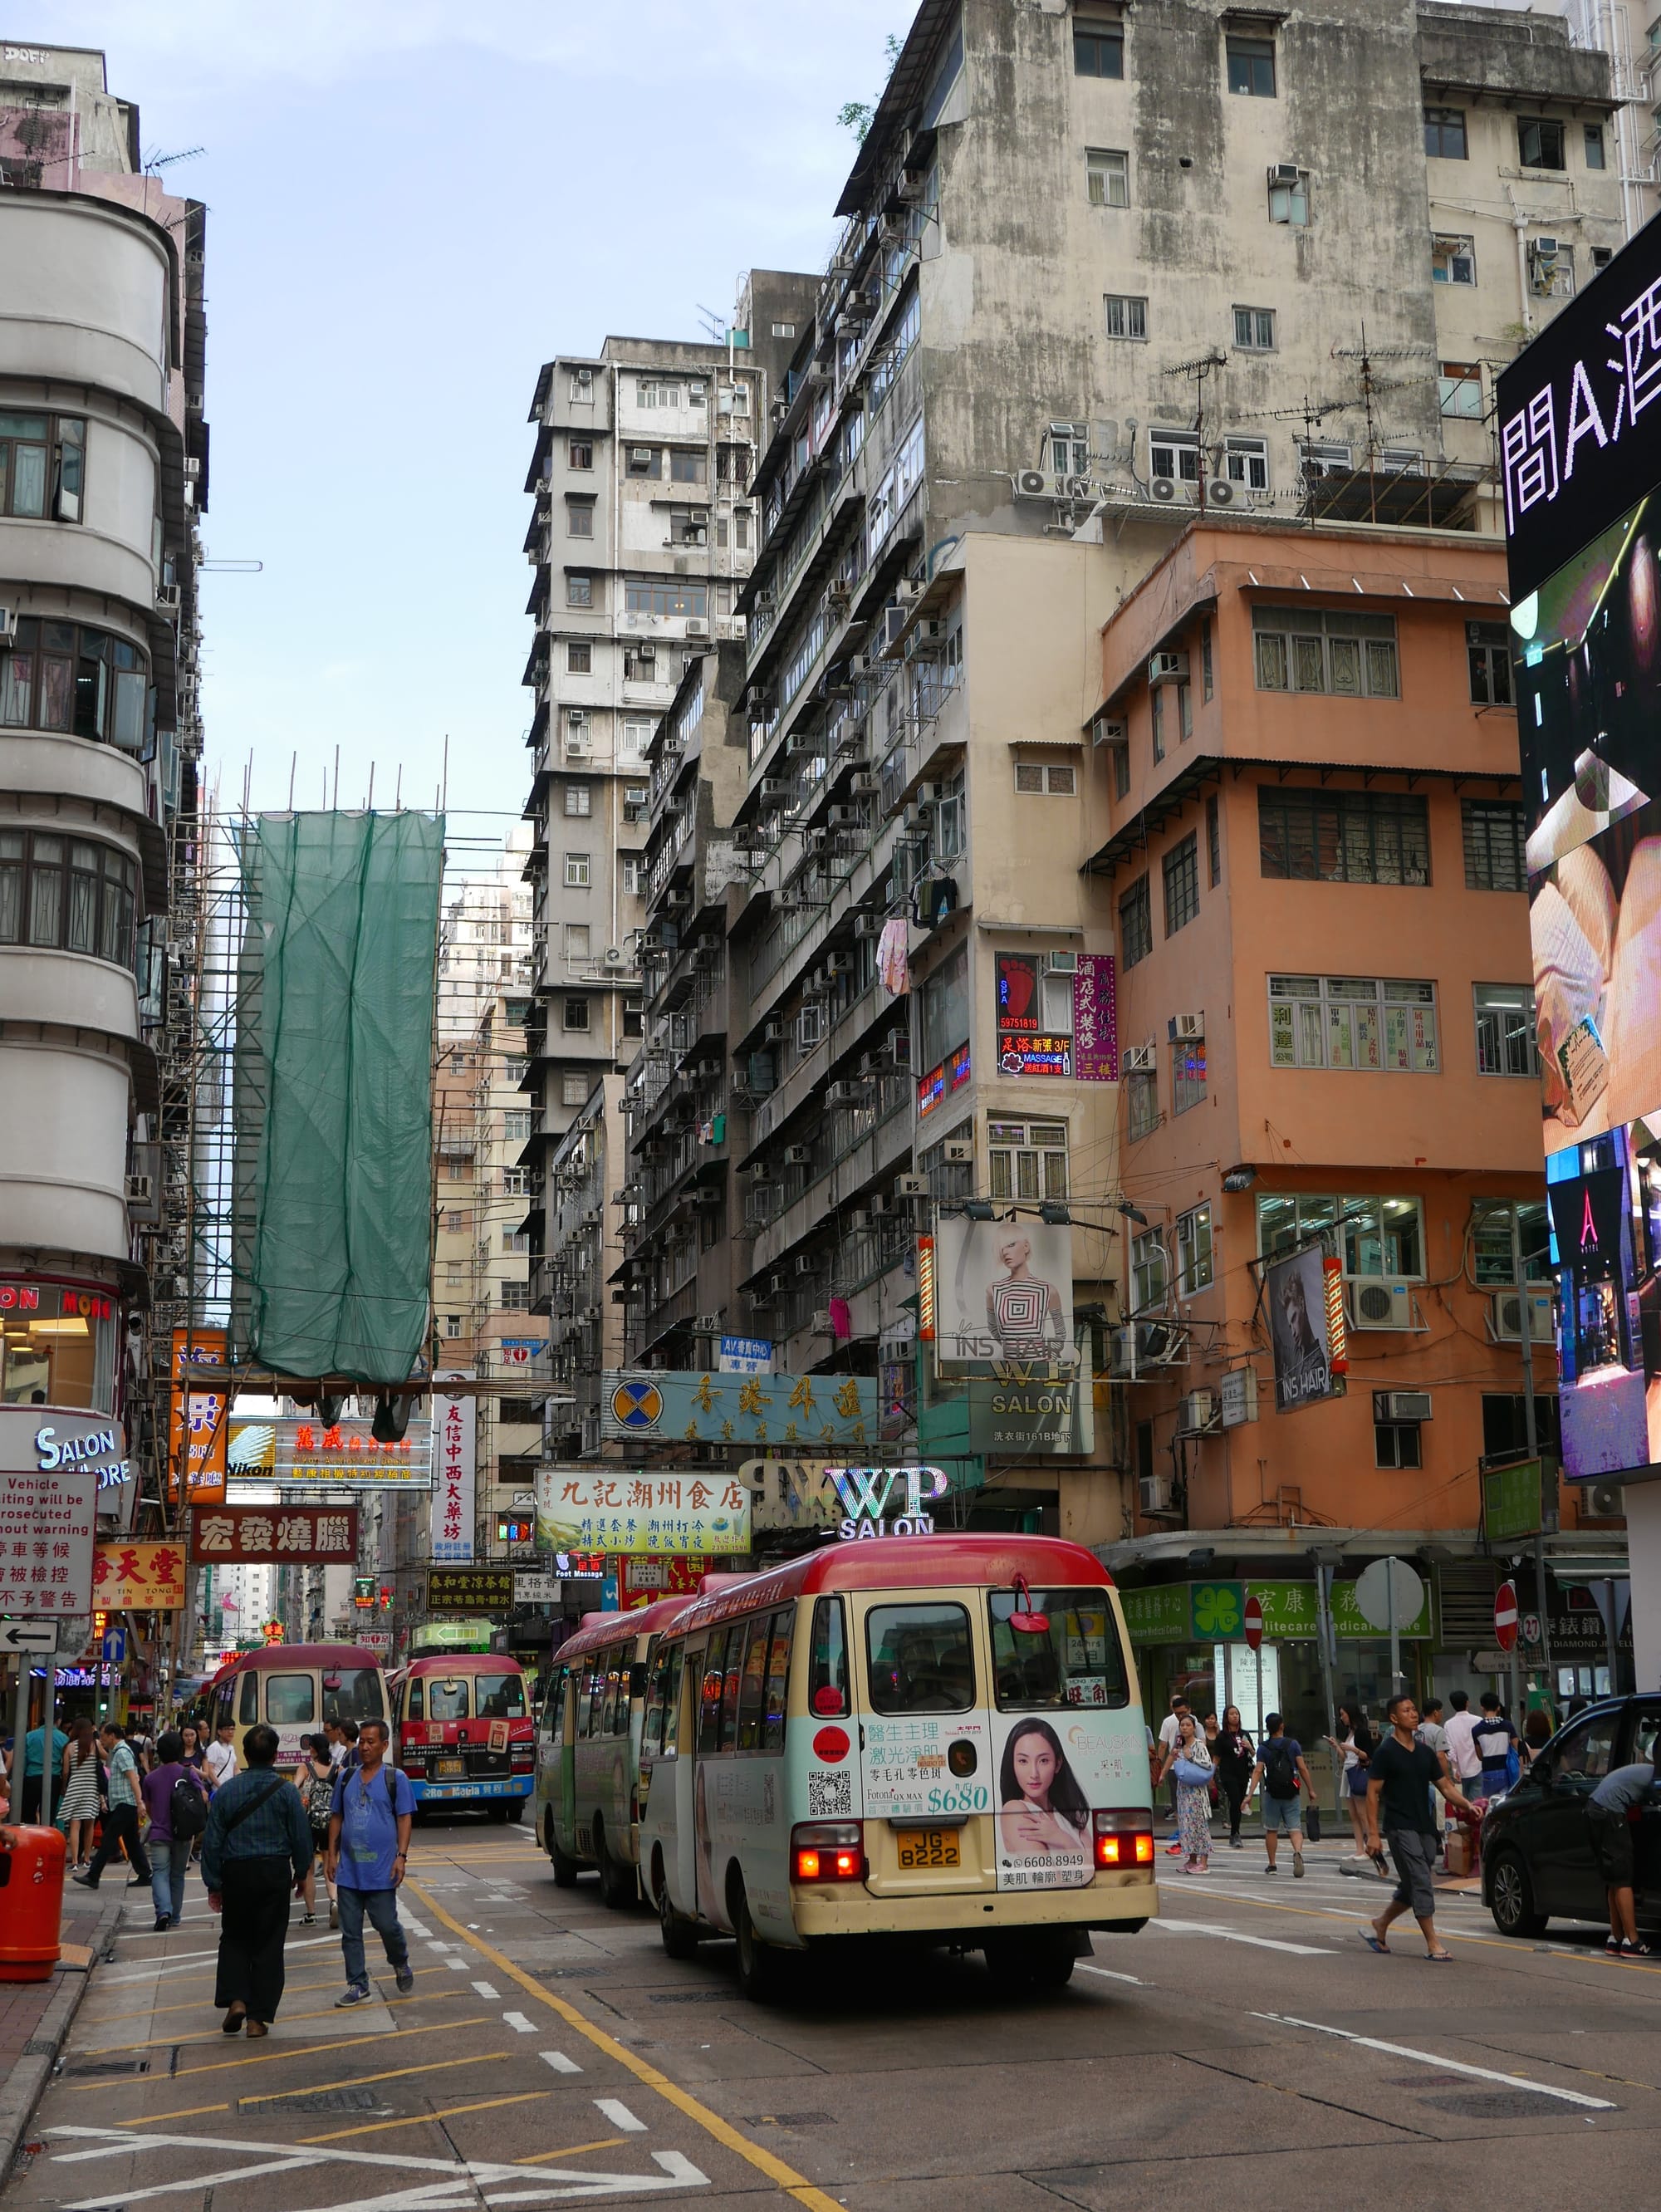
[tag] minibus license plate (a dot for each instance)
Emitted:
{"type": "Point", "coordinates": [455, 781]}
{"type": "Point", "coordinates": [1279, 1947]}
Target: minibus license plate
{"type": "Point", "coordinates": [927, 1847]}
{"type": "Point", "coordinates": [443, 1767]}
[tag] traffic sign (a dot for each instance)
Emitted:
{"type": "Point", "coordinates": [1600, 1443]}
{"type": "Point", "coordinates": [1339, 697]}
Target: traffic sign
{"type": "Point", "coordinates": [115, 1646]}
{"type": "Point", "coordinates": [1253, 1624]}
{"type": "Point", "coordinates": [1505, 1616]}
{"type": "Point", "coordinates": [1530, 1628]}
{"type": "Point", "coordinates": [1388, 1596]}
{"type": "Point", "coordinates": [28, 1635]}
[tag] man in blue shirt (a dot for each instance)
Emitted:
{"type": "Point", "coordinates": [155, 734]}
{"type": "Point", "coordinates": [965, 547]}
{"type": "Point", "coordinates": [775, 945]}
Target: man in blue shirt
{"type": "Point", "coordinates": [369, 1824]}
{"type": "Point", "coordinates": [27, 1808]}
{"type": "Point", "coordinates": [1611, 1814]}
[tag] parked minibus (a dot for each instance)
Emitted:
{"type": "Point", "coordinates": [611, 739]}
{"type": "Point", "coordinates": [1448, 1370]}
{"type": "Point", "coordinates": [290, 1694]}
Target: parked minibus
{"type": "Point", "coordinates": [463, 1731]}
{"type": "Point", "coordinates": [296, 1688]}
{"type": "Point", "coordinates": [588, 1747]}
{"type": "Point", "coordinates": [934, 1738]}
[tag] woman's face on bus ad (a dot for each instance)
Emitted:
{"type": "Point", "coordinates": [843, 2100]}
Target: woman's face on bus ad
{"type": "Point", "coordinates": [1034, 1768]}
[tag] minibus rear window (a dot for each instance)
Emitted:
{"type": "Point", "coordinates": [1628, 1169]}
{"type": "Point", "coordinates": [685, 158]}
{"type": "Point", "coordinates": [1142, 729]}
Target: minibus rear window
{"type": "Point", "coordinates": [1076, 1661]}
{"type": "Point", "coordinates": [288, 1699]}
{"type": "Point", "coordinates": [827, 1661]}
{"type": "Point", "coordinates": [921, 1659]}
{"type": "Point", "coordinates": [447, 1701]}
{"type": "Point", "coordinates": [501, 1697]}
{"type": "Point", "coordinates": [352, 1695]}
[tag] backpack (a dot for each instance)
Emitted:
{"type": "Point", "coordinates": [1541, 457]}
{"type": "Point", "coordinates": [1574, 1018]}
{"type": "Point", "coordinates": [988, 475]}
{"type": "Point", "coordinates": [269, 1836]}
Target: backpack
{"type": "Point", "coordinates": [187, 1810]}
{"type": "Point", "coordinates": [1279, 1775]}
{"type": "Point", "coordinates": [320, 1798]}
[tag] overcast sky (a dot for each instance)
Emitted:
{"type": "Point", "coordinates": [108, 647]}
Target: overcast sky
{"type": "Point", "coordinates": [410, 208]}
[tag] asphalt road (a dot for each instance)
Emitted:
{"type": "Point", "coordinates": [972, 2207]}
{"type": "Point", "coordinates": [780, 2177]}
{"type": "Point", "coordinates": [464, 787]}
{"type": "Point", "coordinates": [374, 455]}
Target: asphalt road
{"type": "Point", "coordinates": [1247, 2050]}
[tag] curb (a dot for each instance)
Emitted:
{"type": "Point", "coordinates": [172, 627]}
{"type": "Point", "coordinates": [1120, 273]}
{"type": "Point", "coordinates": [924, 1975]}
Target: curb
{"type": "Point", "coordinates": [22, 2092]}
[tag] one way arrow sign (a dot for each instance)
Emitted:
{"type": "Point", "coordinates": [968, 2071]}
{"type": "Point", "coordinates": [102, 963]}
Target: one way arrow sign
{"type": "Point", "coordinates": [28, 1635]}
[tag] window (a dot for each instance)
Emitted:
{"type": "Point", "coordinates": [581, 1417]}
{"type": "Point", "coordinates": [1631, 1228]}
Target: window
{"type": "Point", "coordinates": [1143, 1084]}
{"type": "Point", "coordinates": [1156, 721]}
{"type": "Point", "coordinates": [1077, 1662]}
{"type": "Point", "coordinates": [1395, 1443]}
{"type": "Point", "coordinates": [1121, 770]}
{"type": "Point", "coordinates": [578, 657]}
{"type": "Point", "coordinates": [516, 1297]}
{"type": "Point", "coordinates": [632, 868]}
{"type": "Point", "coordinates": [659, 394]}
{"type": "Point", "coordinates": [576, 940]}
{"type": "Point", "coordinates": [67, 894]}
{"type": "Point", "coordinates": [1370, 1024]}
{"type": "Point", "coordinates": [578, 799]}
{"type": "Point", "coordinates": [579, 590]}
{"type": "Point", "coordinates": [921, 1659]}
{"type": "Point", "coordinates": [951, 815]}
{"type": "Point", "coordinates": [579, 518]}
{"type": "Point", "coordinates": [1510, 1242]}
{"type": "Point", "coordinates": [1213, 838]}
{"type": "Point", "coordinates": [1187, 1072]}
{"type": "Point", "coordinates": [668, 596]}
{"type": "Point", "coordinates": [784, 330]}
{"type": "Point", "coordinates": [1460, 388]}
{"type": "Point", "coordinates": [1245, 461]}
{"type": "Point", "coordinates": [1056, 779]}
{"type": "Point", "coordinates": [1445, 134]}
{"type": "Point", "coordinates": [1505, 1030]}
{"type": "Point", "coordinates": [579, 454]}
{"type": "Point", "coordinates": [1107, 177]}
{"type": "Point", "coordinates": [639, 664]}
{"type": "Point", "coordinates": [1029, 1159]}
{"type": "Point", "coordinates": [1540, 143]}
{"type": "Point", "coordinates": [1252, 66]}
{"type": "Point", "coordinates": [1488, 645]}
{"type": "Point", "coordinates": [1205, 659]}
{"type": "Point", "coordinates": [1150, 1272]}
{"type": "Point", "coordinates": [42, 461]}
{"type": "Point", "coordinates": [1305, 649]}
{"type": "Point", "coordinates": [1453, 260]}
{"type": "Point", "coordinates": [1288, 195]}
{"type": "Point", "coordinates": [1254, 329]}
{"type": "Point", "coordinates": [1372, 1237]}
{"type": "Point", "coordinates": [582, 387]}
{"type": "Point", "coordinates": [827, 1659]}
{"type": "Point", "coordinates": [516, 1183]}
{"type": "Point", "coordinates": [633, 737]}
{"type": "Point", "coordinates": [644, 461]}
{"type": "Point", "coordinates": [1175, 454]}
{"type": "Point", "coordinates": [1097, 50]}
{"type": "Point", "coordinates": [1496, 842]}
{"type": "Point", "coordinates": [576, 872]}
{"type": "Point", "coordinates": [1135, 924]}
{"type": "Point", "coordinates": [576, 1013]}
{"type": "Point", "coordinates": [516, 1125]}
{"type": "Point", "coordinates": [1342, 836]}
{"type": "Point", "coordinates": [1593, 139]}
{"type": "Point", "coordinates": [1585, 1756]}
{"type": "Point", "coordinates": [1127, 316]}
{"type": "Point", "coordinates": [633, 1018]}
{"type": "Point", "coordinates": [288, 1699]}
{"type": "Point", "coordinates": [63, 675]}
{"type": "Point", "coordinates": [686, 467]}
{"type": "Point", "coordinates": [574, 1087]}
{"type": "Point", "coordinates": [1181, 866]}
{"type": "Point", "coordinates": [1601, 258]}
{"type": "Point", "coordinates": [452, 1328]}
{"type": "Point", "coordinates": [1193, 1251]}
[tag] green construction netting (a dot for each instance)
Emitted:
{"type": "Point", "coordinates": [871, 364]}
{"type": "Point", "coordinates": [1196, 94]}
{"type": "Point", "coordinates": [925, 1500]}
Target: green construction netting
{"type": "Point", "coordinates": [332, 1115]}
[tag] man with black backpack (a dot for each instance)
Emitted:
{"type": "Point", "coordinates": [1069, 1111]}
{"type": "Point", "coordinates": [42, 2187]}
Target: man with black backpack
{"type": "Point", "coordinates": [1282, 1772]}
{"type": "Point", "coordinates": [256, 1851]}
{"type": "Point", "coordinates": [369, 1824]}
{"type": "Point", "coordinates": [176, 1799]}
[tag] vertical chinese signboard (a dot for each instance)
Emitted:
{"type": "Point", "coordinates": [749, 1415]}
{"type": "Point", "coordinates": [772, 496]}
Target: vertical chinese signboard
{"type": "Point", "coordinates": [454, 1499]}
{"type": "Point", "coordinates": [1095, 1020]}
{"type": "Point", "coordinates": [199, 1415]}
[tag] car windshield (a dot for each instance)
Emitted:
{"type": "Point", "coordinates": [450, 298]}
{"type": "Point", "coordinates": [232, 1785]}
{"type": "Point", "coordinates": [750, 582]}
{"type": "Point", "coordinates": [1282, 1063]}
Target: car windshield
{"type": "Point", "coordinates": [1077, 1661]}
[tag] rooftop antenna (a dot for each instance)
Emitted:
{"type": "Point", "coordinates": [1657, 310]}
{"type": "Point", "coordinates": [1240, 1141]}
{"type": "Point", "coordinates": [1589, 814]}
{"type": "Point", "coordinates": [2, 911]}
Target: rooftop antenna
{"type": "Point", "coordinates": [715, 324]}
{"type": "Point", "coordinates": [167, 160]}
{"type": "Point", "coordinates": [293, 764]}
{"type": "Point", "coordinates": [369, 805]}
{"type": "Point", "coordinates": [443, 786]}
{"type": "Point", "coordinates": [1199, 368]}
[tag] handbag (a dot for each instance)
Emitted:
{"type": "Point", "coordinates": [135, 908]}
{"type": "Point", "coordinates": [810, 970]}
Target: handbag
{"type": "Point", "coordinates": [1312, 1821]}
{"type": "Point", "coordinates": [1191, 1774]}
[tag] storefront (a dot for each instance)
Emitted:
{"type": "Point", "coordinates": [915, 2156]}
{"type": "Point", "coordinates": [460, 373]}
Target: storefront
{"type": "Point", "coordinates": [59, 1343]}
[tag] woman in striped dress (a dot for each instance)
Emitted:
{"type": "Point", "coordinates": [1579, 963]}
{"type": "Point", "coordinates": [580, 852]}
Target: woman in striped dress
{"type": "Point", "coordinates": [78, 1812]}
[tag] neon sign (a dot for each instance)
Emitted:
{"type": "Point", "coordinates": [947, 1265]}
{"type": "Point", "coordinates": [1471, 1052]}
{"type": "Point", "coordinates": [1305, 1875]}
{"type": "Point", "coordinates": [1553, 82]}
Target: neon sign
{"type": "Point", "coordinates": [864, 1492]}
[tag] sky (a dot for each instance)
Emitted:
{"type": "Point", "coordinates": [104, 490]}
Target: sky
{"type": "Point", "coordinates": [410, 209]}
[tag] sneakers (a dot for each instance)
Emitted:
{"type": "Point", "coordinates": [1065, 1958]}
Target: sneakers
{"type": "Point", "coordinates": [406, 1978]}
{"type": "Point", "coordinates": [1297, 1866]}
{"type": "Point", "coordinates": [137, 1884]}
{"type": "Point", "coordinates": [1638, 1950]}
{"type": "Point", "coordinates": [354, 1993]}
{"type": "Point", "coordinates": [161, 1927]}
{"type": "Point", "coordinates": [1612, 1945]}
{"type": "Point", "coordinates": [1173, 1848]}
{"type": "Point", "coordinates": [85, 1882]}
{"type": "Point", "coordinates": [1272, 1867]}
{"type": "Point", "coordinates": [1235, 1844]}
{"type": "Point", "coordinates": [334, 1915]}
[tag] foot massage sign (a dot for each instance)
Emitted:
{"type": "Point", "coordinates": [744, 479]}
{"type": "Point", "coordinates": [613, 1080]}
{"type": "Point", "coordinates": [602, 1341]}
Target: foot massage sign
{"type": "Point", "coordinates": [1580, 446]}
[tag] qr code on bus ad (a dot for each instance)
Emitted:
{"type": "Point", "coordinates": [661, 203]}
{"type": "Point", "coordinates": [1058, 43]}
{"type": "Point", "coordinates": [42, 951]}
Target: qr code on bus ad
{"type": "Point", "coordinates": [829, 1795]}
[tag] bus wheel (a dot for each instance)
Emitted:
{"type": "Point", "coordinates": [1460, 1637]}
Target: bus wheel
{"type": "Point", "coordinates": [618, 1887]}
{"type": "Point", "coordinates": [1017, 1963]}
{"type": "Point", "coordinates": [516, 1811]}
{"type": "Point", "coordinates": [565, 1869]}
{"type": "Point", "coordinates": [760, 1968]}
{"type": "Point", "coordinates": [497, 1812]}
{"type": "Point", "coordinates": [680, 1937]}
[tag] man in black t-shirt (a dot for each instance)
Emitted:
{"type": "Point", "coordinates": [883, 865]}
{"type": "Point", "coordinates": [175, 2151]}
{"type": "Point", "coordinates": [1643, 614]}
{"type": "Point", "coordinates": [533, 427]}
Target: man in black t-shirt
{"type": "Point", "coordinates": [1400, 1776]}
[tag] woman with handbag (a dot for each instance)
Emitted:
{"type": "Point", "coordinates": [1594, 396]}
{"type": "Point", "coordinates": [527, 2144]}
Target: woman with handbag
{"type": "Point", "coordinates": [1189, 1765]}
{"type": "Point", "coordinates": [1355, 1746]}
{"type": "Point", "coordinates": [314, 1778]}
{"type": "Point", "coordinates": [1233, 1755]}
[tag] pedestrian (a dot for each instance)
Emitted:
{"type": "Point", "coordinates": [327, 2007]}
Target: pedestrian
{"type": "Point", "coordinates": [255, 1852]}
{"type": "Point", "coordinates": [336, 1742]}
{"type": "Point", "coordinates": [1401, 1775]}
{"type": "Point", "coordinates": [1168, 1729]}
{"type": "Point", "coordinates": [1234, 1757]}
{"type": "Point", "coordinates": [314, 1778]}
{"type": "Point", "coordinates": [176, 1798]}
{"type": "Point", "coordinates": [373, 1811]}
{"type": "Point", "coordinates": [219, 1757]}
{"type": "Point", "coordinates": [121, 1820]}
{"type": "Point", "coordinates": [192, 1755]}
{"type": "Point", "coordinates": [1280, 1767]}
{"type": "Point", "coordinates": [1614, 1807]}
{"type": "Point", "coordinates": [1431, 1733]}
{"type": "Point", "coordinates": [1495, 1741]}
{"type": "Point", "coordinates": [29, 1797]}
{"type": "Point", "coordinates": [1354, 1746]}
{"type": "Point", "coordinates": [1537, 1734]}
{"type": "Point", "coordinates": [77, 1814]}
{"type": "Point", "coordinates": [348, 1744]}
{"type": "Point", "coordinates": [1189, 1765]}
{"type": "Point", "coordinates": [1463, 1756]}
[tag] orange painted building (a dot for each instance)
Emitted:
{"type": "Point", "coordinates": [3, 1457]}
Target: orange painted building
{"type": "Point", "coordinates": [1326, 1044]}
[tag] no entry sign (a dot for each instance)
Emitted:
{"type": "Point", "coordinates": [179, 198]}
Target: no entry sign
{"type": "Point", "coordinates": [1505, 1616]}
{"type": "Point", "coordinates": [1253, 1624]}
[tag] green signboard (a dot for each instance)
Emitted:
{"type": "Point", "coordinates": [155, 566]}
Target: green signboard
{"type": "Point", "coordinates": [1214, 1613]}
{"type": "Point", "coordinates": [1511, 1501]}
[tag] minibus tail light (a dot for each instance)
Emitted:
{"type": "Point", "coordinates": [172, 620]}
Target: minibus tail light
{"type": "Point", "coordinates": [827, 1850]}
{"type": "Point", "coordinates": [1124, 1837]}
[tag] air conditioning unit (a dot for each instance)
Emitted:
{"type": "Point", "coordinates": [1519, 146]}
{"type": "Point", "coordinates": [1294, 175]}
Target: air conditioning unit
{"type": "Point", "coordinates": [804, 1263]}
{"type": "Point", "coordinates": [640, 456]}
{"type": "Point", "coordinates": [141, 1190]}
{"type": "Point", "coordinates": [1381, 1305]}
{"type": "Point", "coordinates": [877, 1204]}
{"type": "Point", "coordinates": [1061, 964]}
{"type": "Point", "coordinates": [765, 599]}
{"type": "Point", "coordinates": [1138, 1058]}
{"type": "Point", "coordinates": [1168, 667]}
{"type": "Point", "coordinates": [840, 964]}
{"type": "Point", "coordinates": [705, 1202]}
{"type": "Point", "coordinates": [911, 1186]}
{"type": "Point", "coordinates": [774, 1032]}
{"type": "Point", "coordinates": [899, 1045]}
{"type": "Point", "coordinates": [697, 629]}
{"type": "Point", "coordinates": [1153, 1494]}
{"type": "Point", "coordinates": [167, 598]}
{"type": "Point", "coordinates": [1186, 1026]}
{"type": "Point", "coordinates": [1164, 490]}
{"type": "Point", "coordinates": [1197, 1413]}
{"type": "Point", "coordinates": [1602, 1501]}
{"type": "Point", "coordinates": [1401, 1404]}
{"type": "Point", "coordinates": [616, 957]}
{"type": "Point", "coordinates": [802, 741]}
{"type": "Point", "coordinates": [1284, 172]}
{"type": "Point", "coordinates": [797, 1156]}
{"type": "Point", "coordinates": [959, 1151]}
{"type": "Point", "coordinates": [864, 786]}
{"type": "Point", "coordinates": [844, 1094]}
{"type": "Point", "coordinates": [868, 925]}
{"type": "Point", "coordinates": [821, 1322]}
{"type": "Point", "coordinates": [9, 619]}
{"type": "Point", "coordinates": [1220, 492]}
{"type": "Point", "coordinates": [1505, 1316]}
{"type": "Point", "coordinates": [774, 787]}
{"type": "Point", "coordinates": [1033, 484]}
{"type": "Point", "coordinates": [1107, 731]}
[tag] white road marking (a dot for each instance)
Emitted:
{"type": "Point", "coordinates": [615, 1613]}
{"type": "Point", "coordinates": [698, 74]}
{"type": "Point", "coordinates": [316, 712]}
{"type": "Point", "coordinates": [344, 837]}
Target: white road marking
{"type": "Point", "coordinates": [122, 2197]}
{"type": "Point", "coordinates": [415, 1927]}
{"type": "Point", "coordinates": [517, 2020]}
{"type": "Point", "coordinates": [620, 2116]}
{"type": "Point", "coordinates": [459, 1967]}
{"type": "Point", "coordinates": [559, 2061]}
{"type": "Point", "coordinates": [486, 1990]}
{"type": "Point", "coordinates": [681, 2174]}
{"type": "Point", "coordinates": [182, 1961]}
{"type": "Point", "coordinates": [1108, 1975]}
{"type": "Point", "coordinates": [432, 1944]}
{"type": "Point", "coordinates": [1233, 1936]}
{"type": "Point", "coordinates": [1446, 2065]}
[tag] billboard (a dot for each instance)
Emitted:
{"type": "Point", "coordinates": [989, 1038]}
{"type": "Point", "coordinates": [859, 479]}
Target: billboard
{"type": "Point", "coordinates": [1308, 1364]}
{"type": "Point", "coordinates": [455, 1509]}
{"type": "Point", "coordinates": [138, 1577]}
{"type": "Point", "coordinates": [297, 1536]}
{"type": "Point", "coordinates": [1026, 1043]}
{"type": "Point", "coordinates": [1580, 454]}
{"type": "Point", "coordinates": [837, 1411]}
{"type": "Point", "coordinates": [290, 1448]}
{"type": "Point", "coordinates": [198, 1413]}
{"type": "Point", "coordinates": [1002, 1291]}
{"type": "Point", "coordinates": [634, 1510]}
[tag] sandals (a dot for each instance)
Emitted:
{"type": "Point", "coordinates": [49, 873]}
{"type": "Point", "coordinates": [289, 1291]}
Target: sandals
{"type": "Point", "coordinates": [1438, 1958]}
{"type": "Point", "coordinates": [308, 1920]}
{"type": "Point", "coordinates": [1373, 1942]}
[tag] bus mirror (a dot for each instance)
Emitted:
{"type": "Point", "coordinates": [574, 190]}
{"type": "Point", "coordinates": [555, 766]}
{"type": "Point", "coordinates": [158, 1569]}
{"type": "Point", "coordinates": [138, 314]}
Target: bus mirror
{"type": "Point", "coordinates": [1023, 1619]}
{"type": "Point", "coordinates": [827, 1703]}
{"type": "Point", "coordinates": [331, 1681]}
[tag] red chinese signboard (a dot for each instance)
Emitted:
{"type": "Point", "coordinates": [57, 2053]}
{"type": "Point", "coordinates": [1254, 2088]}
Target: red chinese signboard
{"type": "Point", "coordinates": [644, 1581]}
{"type": "Point", "coordinates": [304, 1535]}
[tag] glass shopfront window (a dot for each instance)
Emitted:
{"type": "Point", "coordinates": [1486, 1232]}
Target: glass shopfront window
{"type": "Point", "coordinates": [58, 1345]}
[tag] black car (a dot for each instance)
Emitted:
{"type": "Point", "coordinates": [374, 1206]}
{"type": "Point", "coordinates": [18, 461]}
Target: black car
{"type": "Point", "coordinates": [1537, 1860]}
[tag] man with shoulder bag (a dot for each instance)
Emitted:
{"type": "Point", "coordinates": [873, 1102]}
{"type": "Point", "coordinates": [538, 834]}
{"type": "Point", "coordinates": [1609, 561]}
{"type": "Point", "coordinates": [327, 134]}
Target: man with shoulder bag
{"type": "Point", "coordinates": [256, 1852]}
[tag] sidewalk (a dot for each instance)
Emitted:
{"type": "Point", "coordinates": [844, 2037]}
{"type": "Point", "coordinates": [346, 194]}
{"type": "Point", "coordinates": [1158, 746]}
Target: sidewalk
{"type": "Point", "coordinates": [35, 2016]}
